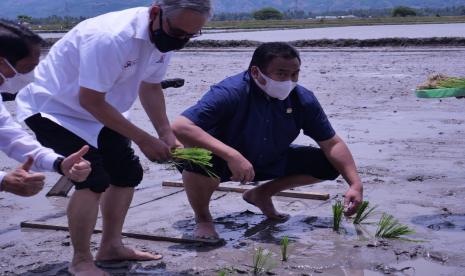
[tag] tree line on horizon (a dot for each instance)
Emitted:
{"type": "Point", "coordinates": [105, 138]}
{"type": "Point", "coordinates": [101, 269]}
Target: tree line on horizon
{"type": "Point", "coordinates": [267, 13]}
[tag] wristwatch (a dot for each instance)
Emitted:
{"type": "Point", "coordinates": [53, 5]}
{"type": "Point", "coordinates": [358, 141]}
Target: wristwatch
{"type": "Point", "coordinates": [57, 165]}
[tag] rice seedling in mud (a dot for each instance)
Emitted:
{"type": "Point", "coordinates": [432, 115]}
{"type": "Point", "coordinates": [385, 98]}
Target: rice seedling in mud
{"type": "Point", "coordinates": [194, 156]}
{"type": "Point", "coordinates": [226, 271]}
{"type": "Point", "coordinates": [262, 262]}
{"type": "Point", "coordinates": [390, 228]}
{"type": "Point", "coordinates": [285, 248]}
{"type": "Point", "coordinates": [363, 212]}
{"type": "Point", "coordinates": [338, 211]}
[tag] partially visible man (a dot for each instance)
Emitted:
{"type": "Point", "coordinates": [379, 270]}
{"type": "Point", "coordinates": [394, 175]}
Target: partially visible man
{"type": "Point", "coordinates": [82, 95]}
{"type": "Point", "coordinates": [19, 55]}
{"type": "Point", "coordinates": [249, 121]}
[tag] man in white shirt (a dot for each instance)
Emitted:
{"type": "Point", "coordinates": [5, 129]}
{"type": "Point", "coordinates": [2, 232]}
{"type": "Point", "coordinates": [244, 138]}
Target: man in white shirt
{"type": "Point", "coordinates": [82, 95]}
{"type": "Point", "coordinates": [19, 54]}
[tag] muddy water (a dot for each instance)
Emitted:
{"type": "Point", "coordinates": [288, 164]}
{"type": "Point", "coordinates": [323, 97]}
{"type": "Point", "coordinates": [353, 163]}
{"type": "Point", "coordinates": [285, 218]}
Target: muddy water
{"type": "Point", "coordinates": [352, 32]}
{"type": "Point", "coordinates": [410, 154]}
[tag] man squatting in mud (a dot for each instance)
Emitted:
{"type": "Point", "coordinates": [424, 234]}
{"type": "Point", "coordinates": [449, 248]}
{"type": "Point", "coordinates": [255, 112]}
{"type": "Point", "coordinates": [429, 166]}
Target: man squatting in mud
{"type": "Point", "coordinates": [249, 121]}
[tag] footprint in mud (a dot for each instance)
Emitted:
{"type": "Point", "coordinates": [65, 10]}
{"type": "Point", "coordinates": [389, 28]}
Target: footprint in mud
{"type": "Point", "coordinates": [236, 227]}
{"type": "Point", "coordinates": [447, 222]}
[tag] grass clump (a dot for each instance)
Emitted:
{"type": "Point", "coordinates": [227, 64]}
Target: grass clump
{"type": "Point", "coordinates": [262, 262]}
{"type": "Point", "coordinates": [195, 156]}
{"type": "Point", "coordinates": [363, 212]}
{"type": "Point", "coordinates": [338, 211]}
{"type": "Point", "coordinates": [285, 249]}
{"type": "Point", "coordinates": [390, 228]}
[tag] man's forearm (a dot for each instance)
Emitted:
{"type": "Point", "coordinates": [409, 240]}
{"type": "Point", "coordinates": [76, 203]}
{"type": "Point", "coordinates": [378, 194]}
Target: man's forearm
{"type": "Point", "coordinates": [340, 157]}
{"type": "Point", "coordinates": [191, 135]}
{"type": "Point", "coordinates": [153, 102]}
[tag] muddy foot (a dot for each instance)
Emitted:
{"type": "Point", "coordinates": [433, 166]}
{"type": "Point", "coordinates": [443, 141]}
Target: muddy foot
{"type": "Point", "coordinates": [264, 203]}
{"type": "Point", "coordinates": [86, 268]}
{"type": "Point", "coordinates": [122, 253]}
{"type": "Point", "coordinates": [205, 230]}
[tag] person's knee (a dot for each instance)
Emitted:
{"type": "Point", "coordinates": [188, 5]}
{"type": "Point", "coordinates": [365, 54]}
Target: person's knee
{"type": "Point", "coordinates": [131, 177]}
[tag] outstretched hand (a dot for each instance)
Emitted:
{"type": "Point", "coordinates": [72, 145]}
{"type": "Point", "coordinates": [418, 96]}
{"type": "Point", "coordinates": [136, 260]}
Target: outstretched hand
{"type": "Point", "coordinates": [75, 167]}
{"type": "Point", "coordinates": [21, 182]}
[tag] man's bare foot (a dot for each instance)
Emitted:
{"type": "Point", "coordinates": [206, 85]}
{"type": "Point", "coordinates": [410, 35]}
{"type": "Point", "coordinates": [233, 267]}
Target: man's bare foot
{"type": "Point", "coordinates": [86, 268]}
{"type": "Point", "coordinates": [123, 253]}
{"type": "Point", "coordinates": [205, 230]}
{"type": "Point", "coordinates": [264, 203]}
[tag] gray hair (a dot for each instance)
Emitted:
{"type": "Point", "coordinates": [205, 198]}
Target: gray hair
{"type": "Point", "coordinates": [202, 6]}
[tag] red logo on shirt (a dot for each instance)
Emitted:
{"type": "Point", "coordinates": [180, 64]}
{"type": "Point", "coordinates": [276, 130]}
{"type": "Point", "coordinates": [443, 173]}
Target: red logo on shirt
{"type": "Point", "coordinates": [130, 64]}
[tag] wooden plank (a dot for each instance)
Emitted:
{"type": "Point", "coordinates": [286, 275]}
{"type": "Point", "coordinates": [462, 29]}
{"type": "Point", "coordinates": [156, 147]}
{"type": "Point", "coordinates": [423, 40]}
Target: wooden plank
{"type": "Point", "coordinates": [243, 188]}
{"type": "Point", "coordinates": [61, 188]}
{"type": "Point", "coordinates": [149, 237]}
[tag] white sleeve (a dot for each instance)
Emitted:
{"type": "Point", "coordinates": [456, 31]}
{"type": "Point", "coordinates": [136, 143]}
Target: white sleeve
{"type": "Point", "coordinates": [101, 60]}
{"type": "Point", "coordinates": [160, 67]}
{"type": "Point", "coordinates": [18, 144]}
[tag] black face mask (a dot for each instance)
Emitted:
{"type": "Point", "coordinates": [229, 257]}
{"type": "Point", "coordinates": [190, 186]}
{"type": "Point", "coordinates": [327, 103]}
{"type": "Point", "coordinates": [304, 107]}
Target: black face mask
{"type": "Point", "coordinates": [164, 42]}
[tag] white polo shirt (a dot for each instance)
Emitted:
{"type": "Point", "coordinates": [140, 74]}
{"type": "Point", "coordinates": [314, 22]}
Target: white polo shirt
{"type": "Point", "coordinates": [111, 54]}
{"type": "Point", "coordinates": [18, 144]}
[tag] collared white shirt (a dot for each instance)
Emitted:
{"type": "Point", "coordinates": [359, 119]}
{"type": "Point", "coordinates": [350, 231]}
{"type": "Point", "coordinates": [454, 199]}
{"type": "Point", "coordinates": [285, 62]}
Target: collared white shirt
{"type": "Point", "coordinates": [111, 54]}
{"type": "Point", "coordinates": [18, 144]}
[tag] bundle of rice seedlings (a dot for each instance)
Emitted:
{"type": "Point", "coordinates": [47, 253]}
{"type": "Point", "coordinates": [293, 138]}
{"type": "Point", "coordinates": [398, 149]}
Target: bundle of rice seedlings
{"type": "Point", "coordinates": [441, 81]}
{"type": "Point", "coordinates": [338, 210]}
{"type": "Point", "coordinates": [363, 213]}
{"type": "Point", "coordinates": [262, 262]}
{"type": "Point", "coordinates": [195, 156]}
{"type": "Point", "coordinates": [390, 228]}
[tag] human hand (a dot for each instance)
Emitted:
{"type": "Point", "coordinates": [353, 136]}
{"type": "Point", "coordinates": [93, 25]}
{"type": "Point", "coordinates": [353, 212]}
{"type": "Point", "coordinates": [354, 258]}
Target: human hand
{"type": "Point", "coordinates": [75, 167]}
{"type": "Point", "coordinates": [241, 169]}
{"type": "Point", "coordinates": [352, 199]}
{"type": "Point", "coordinates": [21, 182]}
{"type": "Point", "coordinates": [170, 139]}
{"type": "Point", "coordinates": [155, 149]}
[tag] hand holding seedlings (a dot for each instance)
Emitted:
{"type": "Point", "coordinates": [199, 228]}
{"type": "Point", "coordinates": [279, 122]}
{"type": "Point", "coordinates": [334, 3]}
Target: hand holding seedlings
{"type": "Point", "coordinates": [352, 199]}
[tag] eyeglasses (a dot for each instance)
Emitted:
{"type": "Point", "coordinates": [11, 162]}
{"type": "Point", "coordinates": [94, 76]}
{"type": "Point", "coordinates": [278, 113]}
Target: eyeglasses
{"type": "Point", "coordinates": [177, 32]}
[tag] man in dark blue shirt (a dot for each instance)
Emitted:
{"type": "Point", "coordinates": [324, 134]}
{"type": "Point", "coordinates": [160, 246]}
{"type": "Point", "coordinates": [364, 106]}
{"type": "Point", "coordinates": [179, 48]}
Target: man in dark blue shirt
{"type": "Point", "coordinates": [249, 121]}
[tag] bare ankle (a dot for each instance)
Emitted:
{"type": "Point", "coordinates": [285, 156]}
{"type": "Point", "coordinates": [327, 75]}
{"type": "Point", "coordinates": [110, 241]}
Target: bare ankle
{"type": "Point", "coordinates": [203, 219]}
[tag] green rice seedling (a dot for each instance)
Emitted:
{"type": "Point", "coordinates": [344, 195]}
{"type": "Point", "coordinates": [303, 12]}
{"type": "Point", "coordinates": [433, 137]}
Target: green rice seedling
{"type": "Point", "coordinates": [363, 212]}
{"type": "Point", "coordinates": [338, 210]}
{"type": "Point", "coordinates": [390, 228]}
{"type": "Point", "coordinates": [262, 262]}
{"type": "Point", "coordinates": [195, 156]}
{"type": "Point", "coordinates": [285, 248]}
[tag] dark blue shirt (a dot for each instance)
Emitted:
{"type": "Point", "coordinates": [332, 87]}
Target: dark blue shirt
{"type": "Point", "coordinates": [238, 113]}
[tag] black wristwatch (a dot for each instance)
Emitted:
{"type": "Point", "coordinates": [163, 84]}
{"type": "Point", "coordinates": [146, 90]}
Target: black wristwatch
{"type": "Point", "coordinates": [57, 165]}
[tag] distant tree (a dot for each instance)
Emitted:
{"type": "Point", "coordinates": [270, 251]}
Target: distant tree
{"type": "Point", "coordinates": [268, 14]}
{"type": "Point", "coordinates": [24, 18]}
{"type": "Point", "coordinates": [403, 11]}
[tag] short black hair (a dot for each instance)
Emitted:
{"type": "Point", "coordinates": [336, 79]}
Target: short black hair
{"type": "Point", "coordinates": [266, 52]}
{"type": "Point", "coordinates": [16, 41]}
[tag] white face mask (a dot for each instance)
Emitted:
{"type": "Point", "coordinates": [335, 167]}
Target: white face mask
{"type": "Point", "coordinates": [276, 89]}
{"type": "Point", "coordinates": [17, 82]}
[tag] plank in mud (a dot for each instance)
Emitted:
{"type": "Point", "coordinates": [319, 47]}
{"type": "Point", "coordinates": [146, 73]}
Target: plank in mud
{"type": "Point", "coordinates": [243, 188]}
{"type": "Point", "coordinates": [139, 236]}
